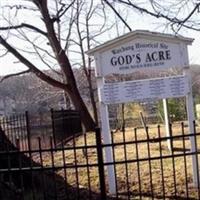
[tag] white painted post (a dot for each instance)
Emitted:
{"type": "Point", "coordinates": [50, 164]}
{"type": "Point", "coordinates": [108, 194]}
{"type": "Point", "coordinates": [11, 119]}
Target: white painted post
{"type": "Point", "coordinates": [167, 122]}
{"type": "Point", "coordinates": [191, 118]}
{"type": "Point", "coordinates": [190, 113]}
{"type": "Point", "coordinates": [105, 130]}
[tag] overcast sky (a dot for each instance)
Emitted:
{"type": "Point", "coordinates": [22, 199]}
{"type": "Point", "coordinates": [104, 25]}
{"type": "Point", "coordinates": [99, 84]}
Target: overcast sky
{"type": "Point", "coordinates": [9, 64]}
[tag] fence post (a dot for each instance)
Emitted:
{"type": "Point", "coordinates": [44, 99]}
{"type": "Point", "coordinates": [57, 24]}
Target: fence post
{"type": "Point", "coordinates": [53, 127]}
{"type": "Point", "coordinates": [100, 164]}
{"type": "Point", "coordinates": [28, 130]}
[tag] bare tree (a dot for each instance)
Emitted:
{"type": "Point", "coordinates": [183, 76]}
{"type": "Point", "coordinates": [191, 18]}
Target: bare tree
{"type": "Point", "coordinates": [87, 34]}
{"type": "Point", "coordinates": [174, 14]}
{"type": "Point", "coordinates": [48, 40]}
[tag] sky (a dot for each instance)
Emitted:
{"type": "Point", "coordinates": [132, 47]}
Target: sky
{"type": "Point", "coordinates": [9, 64]}
{"type": "Point", "coordinates": [194, 49]}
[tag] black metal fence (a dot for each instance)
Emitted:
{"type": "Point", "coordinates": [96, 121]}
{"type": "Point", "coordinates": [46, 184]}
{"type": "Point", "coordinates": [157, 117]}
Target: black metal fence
{"type": "Point", "coordinates": [65, 124]}
{"type": "Point", "coordinates": [16, 129]}
{"type": "Point", "coordinates": [62, 125]}
{"type": "Point", "coordinates": [31, 170]}
{"type": "Point", "coordinates": [144, 167]}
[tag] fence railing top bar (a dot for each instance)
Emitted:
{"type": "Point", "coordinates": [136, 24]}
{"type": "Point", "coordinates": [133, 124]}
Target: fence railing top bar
{"type": "Point", "coordinates": [13, 118]}
{"type": "Point", "coordinates": [153, 140]}
{"type": "Point", "coordinates": [153, 158]}
{"type": "Point", "coordinates": [64, 112]}
{"type": "Point", "coordinates": [65, 117]}
{"type": "Point", "coordinates": [46, 168]}
{"type": "Point", "coordinates": [72, 147]}
{"type": "Point", "coordinates": [56, 149]}
{"type": "Point", "coordinates": [95, 164]}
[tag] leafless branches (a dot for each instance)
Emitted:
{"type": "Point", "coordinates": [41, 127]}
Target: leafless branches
{"type": "Point", "coordinates": [24, 25]}
{"type": "Point", "coordinates": [15, 74]}
{"type": "Point", "coordinates": [46, 40]}
{"type": "Point", "coordinates": [118, 14]}
{"type": "Point", "coordinates": [58, 32]}
{"type": "Point", "coordinates": [31, 67]}
{"type": "Point", "coordinates": [178, 13]}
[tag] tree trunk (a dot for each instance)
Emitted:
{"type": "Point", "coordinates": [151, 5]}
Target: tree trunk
{"type": "Point", "coordinates": [69, 82]}
{"type": "Point", "coordinates": [94, 107]}
{"type": "Point", "coordinates": [66, 68]}
{"type": "Point", "coordinates": [77, 100]}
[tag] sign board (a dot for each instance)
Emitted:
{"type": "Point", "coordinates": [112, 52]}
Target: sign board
{"type": "Point", "coordinates": [141, 54]}
{"type": "Point", "coordinates": [140, 50]}
{"type": "Point", "coordinates": [136, 51]}
{"type": "Point", "coordinates": [141, 90]}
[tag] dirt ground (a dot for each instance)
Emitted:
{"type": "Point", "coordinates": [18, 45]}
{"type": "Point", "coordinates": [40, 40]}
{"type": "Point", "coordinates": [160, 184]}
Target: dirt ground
{"type": "Point", "coordinates": [158, 178]}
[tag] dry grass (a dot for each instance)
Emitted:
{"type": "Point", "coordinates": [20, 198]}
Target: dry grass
{"type": "Point", "coordinates": [136, 172]}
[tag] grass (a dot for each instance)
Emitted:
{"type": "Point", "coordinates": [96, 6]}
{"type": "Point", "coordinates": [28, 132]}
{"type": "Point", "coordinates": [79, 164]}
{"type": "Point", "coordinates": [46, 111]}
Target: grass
{"type": "Point", "coordinates": [157, 182]}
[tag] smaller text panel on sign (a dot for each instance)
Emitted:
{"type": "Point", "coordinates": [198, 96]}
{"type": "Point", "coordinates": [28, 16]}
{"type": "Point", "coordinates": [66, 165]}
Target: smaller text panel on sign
{"type": "Point", "coordinates": [141, 90]}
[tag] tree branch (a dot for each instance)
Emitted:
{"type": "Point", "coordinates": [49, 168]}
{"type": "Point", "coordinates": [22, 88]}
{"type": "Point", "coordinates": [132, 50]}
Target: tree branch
{"type": "Point", "coordinates": [15, 74]}
{"type": "Point", "coordinates": [118, 15]}
{"type": "Point", "coordinates": [61, 12]}
{"type": "Point", "coordinates": [24, 25]}
{"type": "Point", "coordinates": [4, 54]}
{"type": "Point", "coordinates": [32, 67]}
{"type": "Point", "coordinates": [55, 44]}
{"type": "Point", "coordinates": [188, 17]}
{"type": "Point", "coordinates": [173, 20]}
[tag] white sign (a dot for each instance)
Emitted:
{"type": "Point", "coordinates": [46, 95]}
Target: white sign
{"type": "Point", "coordinates": [137, 51]}
{"type": "Point", "coordinates": [141, 54]}
{"type": "Point", "coordinates": [159, 88]}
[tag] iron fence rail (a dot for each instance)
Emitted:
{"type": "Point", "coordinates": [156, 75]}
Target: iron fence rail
{"type": "Point", "coordinates": [154, 165]}
{"type": "Point", "coordinates": [77, 169]}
